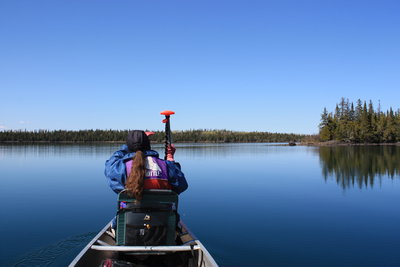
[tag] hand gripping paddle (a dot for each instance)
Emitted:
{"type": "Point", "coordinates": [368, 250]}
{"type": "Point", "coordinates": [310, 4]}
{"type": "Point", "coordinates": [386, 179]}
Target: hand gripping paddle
{"type": "Point", "coordinates": [168, 136]}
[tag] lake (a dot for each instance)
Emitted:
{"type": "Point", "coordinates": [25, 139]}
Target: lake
{"type": "Point", "coordinates": [249, 204]}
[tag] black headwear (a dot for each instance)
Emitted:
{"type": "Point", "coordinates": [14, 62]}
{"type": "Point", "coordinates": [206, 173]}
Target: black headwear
{"type": "Point", "coordinates": [137, 140]}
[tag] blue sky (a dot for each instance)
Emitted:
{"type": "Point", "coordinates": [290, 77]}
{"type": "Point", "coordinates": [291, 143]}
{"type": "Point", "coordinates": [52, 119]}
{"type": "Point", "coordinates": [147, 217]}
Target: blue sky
{"type": "Point", "coordinates": [238, 65]}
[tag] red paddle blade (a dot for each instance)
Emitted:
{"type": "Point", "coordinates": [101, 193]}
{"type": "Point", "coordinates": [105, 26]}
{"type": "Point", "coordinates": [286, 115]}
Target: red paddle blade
{"type": "Point", "coordinates": [167, 112]}
{"type": "Point", "coordinates": [149, 133]}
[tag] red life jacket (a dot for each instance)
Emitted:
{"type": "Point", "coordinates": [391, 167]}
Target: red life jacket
{"type": "Point", "coordinates": [156, 175]}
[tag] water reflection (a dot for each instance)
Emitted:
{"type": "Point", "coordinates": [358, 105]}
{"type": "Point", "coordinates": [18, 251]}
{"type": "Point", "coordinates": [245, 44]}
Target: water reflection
{"type": "Point", "coordinates": [361, 166]}
{"type": "Point", "coordinates": [45, 151]}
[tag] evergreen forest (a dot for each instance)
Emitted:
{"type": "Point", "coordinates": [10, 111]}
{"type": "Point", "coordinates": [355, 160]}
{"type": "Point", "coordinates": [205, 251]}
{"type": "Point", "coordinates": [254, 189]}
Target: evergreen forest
{"type": "Point", "coordinates": [203, 136]}
{"type": "Point", "coordinates": [360, 123]}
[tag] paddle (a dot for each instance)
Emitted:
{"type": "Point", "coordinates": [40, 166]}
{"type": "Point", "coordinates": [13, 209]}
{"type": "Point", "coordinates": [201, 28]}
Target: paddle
{"type": "Point", "coordinates": [168, 136]}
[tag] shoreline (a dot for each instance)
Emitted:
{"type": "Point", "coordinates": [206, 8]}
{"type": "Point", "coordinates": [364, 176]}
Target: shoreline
{"type": "Point", "coordinates": [337, 143]}
{"type": "Point", "coordinates": [123, 142]}
{"type": "Point", "coordinates": [307, 143]}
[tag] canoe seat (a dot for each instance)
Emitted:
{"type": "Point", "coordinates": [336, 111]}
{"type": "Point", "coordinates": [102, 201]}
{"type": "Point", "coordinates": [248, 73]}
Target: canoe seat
{"type": "Point", "coordinates": [149, 222]}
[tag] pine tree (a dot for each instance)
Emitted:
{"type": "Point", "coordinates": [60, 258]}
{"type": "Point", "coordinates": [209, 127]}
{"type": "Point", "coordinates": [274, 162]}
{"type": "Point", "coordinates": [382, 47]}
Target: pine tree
{"type": "Point", "coordinates": [389, 135]}
{"type": "Point", "coordinates": [324, 119]}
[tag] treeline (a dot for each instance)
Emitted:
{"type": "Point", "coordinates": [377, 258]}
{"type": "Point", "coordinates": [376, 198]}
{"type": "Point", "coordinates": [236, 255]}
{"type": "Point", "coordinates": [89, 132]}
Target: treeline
{"type": "Point", "coordinates": [360, 123]}
{"type": "Point", "coordinates": [215, 136]}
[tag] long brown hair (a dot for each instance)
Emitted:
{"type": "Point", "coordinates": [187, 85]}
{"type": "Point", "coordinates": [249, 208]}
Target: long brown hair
{"type": "Point", "coordinates": [135, 181]}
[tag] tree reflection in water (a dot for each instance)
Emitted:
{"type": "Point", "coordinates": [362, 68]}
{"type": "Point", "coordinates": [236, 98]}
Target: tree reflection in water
{"type": "Point", "coordinates": [360, 165]}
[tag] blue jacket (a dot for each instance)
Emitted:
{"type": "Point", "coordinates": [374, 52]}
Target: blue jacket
{"type": "Point", "coordinates": [115, 170]}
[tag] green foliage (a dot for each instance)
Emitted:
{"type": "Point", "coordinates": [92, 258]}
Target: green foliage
{"type": "Point", "coordinates": [361, 124]}
{"type": "Point", "coordinates": [214, 136]}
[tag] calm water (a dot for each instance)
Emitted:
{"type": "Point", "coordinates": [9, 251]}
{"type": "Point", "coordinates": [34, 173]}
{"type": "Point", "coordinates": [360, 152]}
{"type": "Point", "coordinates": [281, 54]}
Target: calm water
{"type": "Point", "coordinates": [250, 204]}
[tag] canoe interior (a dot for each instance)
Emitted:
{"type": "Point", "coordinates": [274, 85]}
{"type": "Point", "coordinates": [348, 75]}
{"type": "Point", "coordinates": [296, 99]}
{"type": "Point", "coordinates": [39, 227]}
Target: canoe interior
{"type": "Point", "coordinates": [200, 257]}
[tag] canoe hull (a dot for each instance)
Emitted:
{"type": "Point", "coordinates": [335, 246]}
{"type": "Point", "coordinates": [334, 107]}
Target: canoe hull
{"type": "Point", "coordinates": [103, 247]}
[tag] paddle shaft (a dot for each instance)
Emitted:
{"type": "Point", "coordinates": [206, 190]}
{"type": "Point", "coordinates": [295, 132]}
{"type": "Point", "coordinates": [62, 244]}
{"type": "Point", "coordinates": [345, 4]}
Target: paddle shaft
{"type": "Point", "coordinates": [168, 136]}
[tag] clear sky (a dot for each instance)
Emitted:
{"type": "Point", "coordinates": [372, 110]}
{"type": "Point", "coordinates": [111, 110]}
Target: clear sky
{"type": "Point", "coordinates": [219, 64]}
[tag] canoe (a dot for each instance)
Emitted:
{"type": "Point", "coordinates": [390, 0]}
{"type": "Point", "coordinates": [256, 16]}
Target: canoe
{"type": "Point", "coordinates": [189, 252]}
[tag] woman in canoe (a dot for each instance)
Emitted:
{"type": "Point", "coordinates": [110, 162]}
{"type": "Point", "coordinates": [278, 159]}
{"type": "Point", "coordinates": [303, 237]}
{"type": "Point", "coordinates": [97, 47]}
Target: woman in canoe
{"type": "Point", "coordinates": [136, 167]}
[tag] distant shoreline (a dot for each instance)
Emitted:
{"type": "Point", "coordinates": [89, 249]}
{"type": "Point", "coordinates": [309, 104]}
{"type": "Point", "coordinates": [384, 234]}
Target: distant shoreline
{"type": "Point", "coordinates": [338, 143]}
{"type": "Point", "coordinates": [119, 136]}
{"type": "Point", "coordinates": [122, 142]}
{"type": "Point", "coordinates": [309, 143]}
